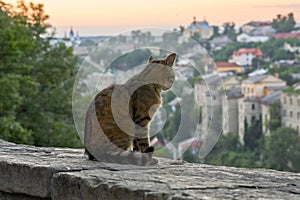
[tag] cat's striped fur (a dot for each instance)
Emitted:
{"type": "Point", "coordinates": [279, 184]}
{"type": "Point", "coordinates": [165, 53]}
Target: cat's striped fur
{"type": "Point", "coordinates": [116, 126]}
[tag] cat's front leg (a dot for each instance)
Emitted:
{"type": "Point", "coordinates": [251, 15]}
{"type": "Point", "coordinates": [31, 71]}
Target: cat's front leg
{"type": "Point", "coordinates": [141, 139]}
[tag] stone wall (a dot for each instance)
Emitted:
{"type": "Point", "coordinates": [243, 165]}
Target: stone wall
{"type": "Point", "coordinates": [53, 173]}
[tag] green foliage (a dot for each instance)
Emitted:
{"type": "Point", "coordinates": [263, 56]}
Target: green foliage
{"type": "Point", "coordinates": [285, 73]}
{"type": "Point", "coordinates": [229, 30]}
{"type": "Point", "coordinates": [280, 151]}
{"type": "Point", "coordinates": [275, 116]}
{"type": "Point", "coordinates": [226, 52]}
{"type": "Point", "coordinates": [130, 60]}
{"type": "Point", "coordinates": [291, 90]}
{"type": "Point", "coordinates": [36, 80]}
{"type": "Point", "coordinates": [253, 134]}
{"type": "Point", "coordinates": [284, 23]}
{"type": "Point", "coordinates": [228, 151]}
{"type": "Point", "coordinates": [216, 32]}
{"type": "Point", "coordinates": [283, 150]}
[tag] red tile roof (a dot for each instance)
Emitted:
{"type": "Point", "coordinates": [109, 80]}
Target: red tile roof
{"type": "Point", "coordinates": [286, 35]}
{"type": "Point", "coordinates": [255, 51]}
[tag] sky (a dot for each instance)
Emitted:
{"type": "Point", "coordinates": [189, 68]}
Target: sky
{"type": "Point", "coordinates": [146, 13]}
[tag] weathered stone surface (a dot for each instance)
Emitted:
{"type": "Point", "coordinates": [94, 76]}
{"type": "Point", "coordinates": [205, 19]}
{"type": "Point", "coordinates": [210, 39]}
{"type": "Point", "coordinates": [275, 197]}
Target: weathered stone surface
{"type": "Point", "coordinates": [10, 196]}
{"type": "Point", "coordinates": [32, 173]}
{"type": "Point", "coordinates": [186, 181]}
{"type": "Point", "coordinates": [28, 170]}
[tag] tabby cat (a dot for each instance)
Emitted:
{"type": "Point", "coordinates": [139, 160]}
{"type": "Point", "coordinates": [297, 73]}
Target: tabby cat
{"type": "Point", "coordinates": [116, 125]}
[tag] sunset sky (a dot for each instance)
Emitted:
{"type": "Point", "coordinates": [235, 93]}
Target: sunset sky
{"type": "Point", "coordinates": [163, 12]}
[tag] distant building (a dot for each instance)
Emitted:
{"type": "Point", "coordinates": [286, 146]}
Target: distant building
{"type": "Point", "coordinates": [254, 25]}
{"type": "Point", "coordinates": [208, 96]}
{"type": "Point", "coordinates": [245, 56]}
{"type": "Point", "coordinates": [254, 89]}
{"type": "Point", "coordinates": [247, 38]}
{"type": "Point", "coordinates": [290, 108]}
{"type": "Point", "coordinates": [249, 111]}
{"type": "Point", "coordinates": [279, 36]}
{"type": "Point", "coordinates": [263, 31]}
{"type": "Point", "coordinates": [255, 86]}
{"type": "Point", "coordinates": [290, 48]}
{"type": "Point", "coordinates": [201, 27]}
{"type": "Point", "coordinates": [218, 43]}
{"type": "Point", "coordinates": [256, 31]}
{"type": "Point", "coordinates": [266, 103]}
{"type": "Point", "coordinates": [230, 110]}
{"type": "Point", "coordinates": [227, 67]}
{"type": "Point", "coordinates": [210, 93]}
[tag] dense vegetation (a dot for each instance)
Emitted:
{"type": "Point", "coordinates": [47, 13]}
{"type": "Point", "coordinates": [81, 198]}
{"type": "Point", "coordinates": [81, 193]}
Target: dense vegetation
{"type": "Point", "coordinates": [36, 80]}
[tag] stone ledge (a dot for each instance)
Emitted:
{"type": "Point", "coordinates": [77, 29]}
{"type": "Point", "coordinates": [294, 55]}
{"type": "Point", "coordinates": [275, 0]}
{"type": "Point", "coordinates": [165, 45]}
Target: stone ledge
{"type": "Point", "coordinates": [55, 173]}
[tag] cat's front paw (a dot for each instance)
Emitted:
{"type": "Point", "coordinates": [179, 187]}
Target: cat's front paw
{"type": "Point", "coordinates": [149, 149]}
{"type": "Point", "coordinates": [154, 161]}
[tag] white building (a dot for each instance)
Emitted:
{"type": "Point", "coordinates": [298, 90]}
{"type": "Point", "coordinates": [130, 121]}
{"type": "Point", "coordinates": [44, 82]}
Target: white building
{"type": "Point", "coordinates": [254, 89]}
{"type": "Point", "coordinates": [230, 110]}
{"type": "Point", "coordinates": [245, 56]}
{"type": "Point", "coordinates": [247, 38]}
{"type": "Point", "coordinates": [266, 103]}
{"type": "Point", "coordinates": [290, 102]}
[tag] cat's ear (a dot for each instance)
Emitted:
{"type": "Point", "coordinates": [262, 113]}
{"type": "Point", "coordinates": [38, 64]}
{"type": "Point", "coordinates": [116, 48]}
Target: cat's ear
{"type": "Point", "coordinates": [150, 59]}
{"type": "Point", "coordinates": [171, 59]}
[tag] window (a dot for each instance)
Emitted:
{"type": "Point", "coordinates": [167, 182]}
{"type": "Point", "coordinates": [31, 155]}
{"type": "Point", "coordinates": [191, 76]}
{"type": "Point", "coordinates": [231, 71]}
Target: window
{"type": "Point", "coordinates": [253, 118]}
{"type": "Point", "coordinates": [252, 91]}
{"type": "Point", "coordinates": [291, 101]}
{"type": "Point", "coordinates": [284, 113]}
{"type": "Point", "coordinates": [298, 115]}
{"type": "Point", "coordinates": [291, 113]}
{"type": "Point", "coordinates": [284, 100]}
{"type": "Point", "coordinates": [298, 102]}
{"type": "Point", "coordinates": [253, 106]}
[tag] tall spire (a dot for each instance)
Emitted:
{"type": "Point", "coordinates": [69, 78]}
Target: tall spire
{"type": "Point", "coordinates": [71, 34]}
{"type": "Point", "coordinates": [194, 20]}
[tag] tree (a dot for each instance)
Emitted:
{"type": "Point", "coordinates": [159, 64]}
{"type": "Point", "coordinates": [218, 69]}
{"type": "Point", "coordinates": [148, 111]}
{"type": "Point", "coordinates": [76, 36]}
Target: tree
{"type": "Point", "coordinates": [283, 150]}
{"type": "Point", "coordinates": [253, 133]}
{"type": "Point", "coordinates": [284, 23]}
{"type": "Point", "coordinates": [228, 151]}
{"type": "Point", "coordinates": [36, 80]}
{"type": "Point", "coordinates": [275, 116]}
{"type": "Point", "coordinates": [216, 32]}
{"type": "Point", "coordinates": [229, 30]}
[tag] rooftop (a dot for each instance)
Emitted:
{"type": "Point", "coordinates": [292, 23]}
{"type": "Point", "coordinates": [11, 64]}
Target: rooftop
{"type": "Point", "coordinates": [286, 35]}
{"type": "Point", "coordinates": [257, 52]}
{"type": "Point", "coordinates": [255, 79]}
{"type": "Point", "coordinates": [234, 93]}
{"type": "Point", "coordinates": [269, 99]}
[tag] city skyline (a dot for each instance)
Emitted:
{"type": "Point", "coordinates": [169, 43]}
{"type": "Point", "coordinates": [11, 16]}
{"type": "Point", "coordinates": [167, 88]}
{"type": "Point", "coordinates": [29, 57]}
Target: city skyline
{"type": "Point", "coordinates": [163, 13]}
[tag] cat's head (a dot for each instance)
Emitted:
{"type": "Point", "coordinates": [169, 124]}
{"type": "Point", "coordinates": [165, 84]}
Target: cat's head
{"type": "Point", "coordinates": [161, 71]}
